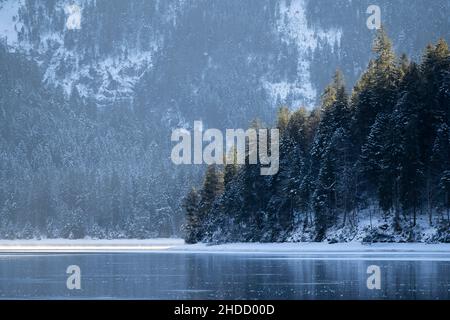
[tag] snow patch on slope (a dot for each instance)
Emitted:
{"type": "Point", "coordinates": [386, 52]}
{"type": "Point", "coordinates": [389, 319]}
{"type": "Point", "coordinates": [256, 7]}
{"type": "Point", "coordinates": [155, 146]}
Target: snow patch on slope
{"type": "Point", "coordinates": [108, 79]}
{"type": "Point", "coordinates": [9, 24]}
{"type": "Point", "coordinates": [294, 30]}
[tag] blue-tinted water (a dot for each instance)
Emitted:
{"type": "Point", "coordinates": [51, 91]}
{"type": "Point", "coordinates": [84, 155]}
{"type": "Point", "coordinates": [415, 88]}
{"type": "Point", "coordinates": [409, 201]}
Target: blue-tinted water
{"type": "Point", "coordinates": [221, 276]}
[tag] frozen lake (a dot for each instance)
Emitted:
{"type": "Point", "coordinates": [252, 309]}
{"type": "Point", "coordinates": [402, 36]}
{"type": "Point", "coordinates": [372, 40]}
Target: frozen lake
{"type": "Point", "coordinates": [225, 275]}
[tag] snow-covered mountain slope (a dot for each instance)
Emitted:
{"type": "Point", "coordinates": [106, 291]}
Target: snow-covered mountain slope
{"type": "Point", "coordinates": [104, 57]}
{"type": "Point", "coordinates": [293, 28]}
{"type": "Point", "coordinates": [289, 48]}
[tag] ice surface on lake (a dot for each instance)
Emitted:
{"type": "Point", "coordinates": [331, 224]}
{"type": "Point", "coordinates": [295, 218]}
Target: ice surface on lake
{"type": "Point", "coordinates": [207, 275]}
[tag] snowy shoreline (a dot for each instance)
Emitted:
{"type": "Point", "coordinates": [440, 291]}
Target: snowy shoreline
{"type": "Point", "coordinates": [178, 245]}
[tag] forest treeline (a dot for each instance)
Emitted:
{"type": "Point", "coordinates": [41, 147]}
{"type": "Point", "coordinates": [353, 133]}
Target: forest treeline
{"type": "Point", "coordinates": [380, 150]}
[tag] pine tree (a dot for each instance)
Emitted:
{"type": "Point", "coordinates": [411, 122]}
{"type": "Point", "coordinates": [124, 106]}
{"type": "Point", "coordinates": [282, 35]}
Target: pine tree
{"type": "Point", "coordinates": [404, 65]}
{"type": "Point", "coordinates": [407, 128]}
{"type": "Point", "coordinates": [324, 198]}
{"type": "Point", "coordinates": [440, 167]}
{"type": "Point", "coordinates": [283, 118]}
{"type": "Point", "coordinates": [435, 116]}
{"type": "Point", "coordinates": [376, 92]}
{"type": "Point", "coordinates": [436, 73]}
{"type": "Point", "coordinates": [192, 226]}
{"type": "Point", "coordinates": [378, 164]}
{"type": "Point", "coordinates": [231, 167]}
{"type": "Point", "coordinates": [212, 188]}
{"type": "Point", "coordinates": [285, 186]}
{"type": "Point", "coordinates": [445, 188]}
{"type": "Point", "coordinates": [324, 156]}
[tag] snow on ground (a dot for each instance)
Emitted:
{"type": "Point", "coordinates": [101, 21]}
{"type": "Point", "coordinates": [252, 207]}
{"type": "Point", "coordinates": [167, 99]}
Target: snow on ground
{"type": "Point", "coordinates": [177, 245]}
{"type": "Point", "coordinates": [370, 225]}
{"type": "Point", "coordinates": [318, 248]}
{"type": "Point", "coordinates": [87, 245]}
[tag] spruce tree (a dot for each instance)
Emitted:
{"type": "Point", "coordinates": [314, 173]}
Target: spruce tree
{"type": "Point", "coordinates": [408, 123]}
{"type": "Point", "coordinates": [376, 92]}
{"type": "Point", "coordinates": [435, 115]}
{"type": "Point", "coordinates": [436, 73]}
{"type": "Point", "coordinates": [445, 189]}
{"type": "Point", "coordinates": [324, 156]}
{"type": "Point", "coordinates": [212, 188]}
{"type": "Point", "coordinates": [231, 168]}
{"type": "Point", "coordinates": [192, 226]}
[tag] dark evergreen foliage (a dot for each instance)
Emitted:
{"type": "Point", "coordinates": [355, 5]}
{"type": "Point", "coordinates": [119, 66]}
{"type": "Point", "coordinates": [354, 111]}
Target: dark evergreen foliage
{"type": "Point", "coordinates": [388, 145]}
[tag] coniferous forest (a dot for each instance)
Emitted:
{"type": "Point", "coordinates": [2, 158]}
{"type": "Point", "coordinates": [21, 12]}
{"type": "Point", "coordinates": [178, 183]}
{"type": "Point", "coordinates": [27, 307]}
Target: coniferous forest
{"type": "Point", "coordinates": [69, 169]}
{"type": "Point", "coordinates": [370, 163]}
